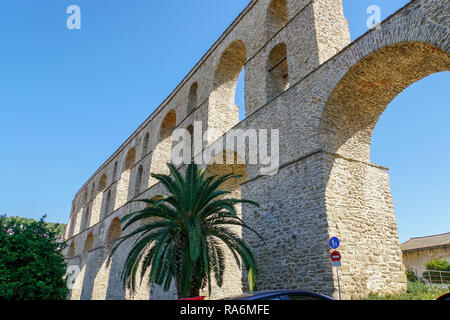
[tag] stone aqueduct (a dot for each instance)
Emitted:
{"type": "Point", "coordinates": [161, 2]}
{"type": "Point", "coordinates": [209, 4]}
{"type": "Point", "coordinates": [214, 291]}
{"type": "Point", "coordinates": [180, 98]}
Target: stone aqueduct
{"type": "Point", "coordinates": [325, 94]}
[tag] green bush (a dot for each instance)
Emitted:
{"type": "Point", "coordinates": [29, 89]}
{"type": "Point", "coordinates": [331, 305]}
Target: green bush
{"type": "Point", "coordinates": [416, 291]}
{"type": "Point", "coordinates": [32, 266]}
{"type": "Point", "coordinates": [437, 265]}
{"type": "Point", "coordinates": [411, 276]}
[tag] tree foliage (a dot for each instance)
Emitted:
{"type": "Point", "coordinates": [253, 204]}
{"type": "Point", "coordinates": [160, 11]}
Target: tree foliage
{"type": "Point", "coordinates": [416, 291]}
{"type": "Point", "coordinates": [58, 228]}
{"type": "Point", "coordinates": [32, 265]}
{"type": "Point", "coordinates": [438, 265]}
{"type": "Point", "coordinates": [183, 236]}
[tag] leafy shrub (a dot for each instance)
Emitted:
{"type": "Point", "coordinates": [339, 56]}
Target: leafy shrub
{"type": "Point", "coordinates": [438, 264]}
{"type": "Point", "coordinates": [416, 291]}
{"type": "Point", "coordinates": [411, 276]}
{"type": "Point", "coordinates": [32, 266]}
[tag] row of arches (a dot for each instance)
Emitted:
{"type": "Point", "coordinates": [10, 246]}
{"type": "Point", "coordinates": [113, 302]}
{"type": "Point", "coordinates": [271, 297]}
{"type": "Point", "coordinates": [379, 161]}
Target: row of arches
{"type": "Point", "coordinates": [99, 280]}
{"type": "Point", "coordinates": [114, 230]}
{"type": "Point", "coordinates": [114, 233]}
{"type": "Point", "coordinates": [229, 68]}
{"type": "Point", "coordinates": [120, 189]}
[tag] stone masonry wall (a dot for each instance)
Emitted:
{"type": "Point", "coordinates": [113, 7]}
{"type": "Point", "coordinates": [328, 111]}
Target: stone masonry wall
{"type": "Point", "coordinates": [325, 186]}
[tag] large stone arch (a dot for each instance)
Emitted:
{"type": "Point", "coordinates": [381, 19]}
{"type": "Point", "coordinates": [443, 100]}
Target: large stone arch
{"type": "Point", "coordinates": [359, 84]}
{"type": "Point", "coordinates": [276, 17]}
{"type": "Point", "coordinates": [223, 113]}
{"type": "Point", "coordinates": [362, 95]}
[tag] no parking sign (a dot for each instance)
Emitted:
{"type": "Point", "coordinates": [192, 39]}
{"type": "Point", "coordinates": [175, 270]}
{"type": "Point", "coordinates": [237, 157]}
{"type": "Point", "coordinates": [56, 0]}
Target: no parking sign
{"type": "Point", "coordinates": [336, 259]}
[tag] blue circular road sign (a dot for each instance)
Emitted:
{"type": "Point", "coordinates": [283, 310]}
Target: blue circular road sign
{"type": "Point", "coordinates": [334, 243]}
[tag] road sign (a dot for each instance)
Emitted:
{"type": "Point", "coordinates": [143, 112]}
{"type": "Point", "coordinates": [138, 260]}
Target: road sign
{"type": "Point", "coordinates": [335, 256]}
{"type": "Point", "coordinates": [334, 243]}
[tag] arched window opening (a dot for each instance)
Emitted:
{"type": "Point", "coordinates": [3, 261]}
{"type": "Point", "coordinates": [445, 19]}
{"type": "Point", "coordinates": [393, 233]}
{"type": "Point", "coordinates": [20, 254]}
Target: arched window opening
{"type": "Point", "coordinates": [88, 244]}
{"type": "Point", "coordinates": [85, 196]}
{"type": "Point", "coordinates": [71, 252]}
{"type": "Point", "coordinates": [130, 159]}
{"type": "Point", "coordinates": [190, 145]}
{"type": "Point", "coordinates": [276, 17]}
{"type": "Point", "coordinates": [93, 191]}
{"type": "Point", "coordinates": [277, 72]}
{"type": "Point", "coordinates": [114, 175]}
{"type": "Point", "coordinates": [168, 125]}
{"type": "Point", "coordinates": [192, 99]}
{"type": "Point", "coordinates": [137, 186]}
{"type": "Point", "coordinates": [107, 204]}
{"type": "Point", "coordinates": [145, 145]}
{"type": "Point", "coordinates": [222, 99]}
{"type": "Point", "coordinates": [103, 181]}
{"type": "Point", "coordinates": [86, 218]}
{"type": "Point", "coordinates": [114, 232]}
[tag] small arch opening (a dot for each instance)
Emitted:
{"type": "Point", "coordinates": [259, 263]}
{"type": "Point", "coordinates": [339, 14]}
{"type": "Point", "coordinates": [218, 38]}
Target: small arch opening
{"type": "Point", "coordinates": [192, 99]}
{"type": "Point", "coordinates": [276, 17]}
{"type": "Point", "coordinates": [114, 232]}
{"type": "Point", "coordinates": [168, 124]}
{"type": "Point", "coordinates": [71, 252]}
{"type": "Point", "coordinates": [93, 191]}
{"type": "Point", "coordinates": [88, 244]}
{"type": "Point", "coordinates": [114, 175]}
{"type": "Point", "coordinates": [130, 159]}
{"type": "Point", "coordinates": [137, 186]}
{"type": "Point", "coordinates": [86, 218]}
{"type": "Point", "coordinates": [85, 196]}
{"type": "Point", "coordinates": [102, 184]}
{"type": "Point", "coordinates": [107, 204]}
{"type": "Point", "coordinates": [277, 71]}
{"type": "Point", "coordinates": [145, 144]}
{"type": "Point", "coordinates": [190, 145]}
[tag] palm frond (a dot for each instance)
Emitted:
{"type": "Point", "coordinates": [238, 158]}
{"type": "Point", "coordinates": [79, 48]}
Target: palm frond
{"type": "Point", "coordinates": [185, 233]}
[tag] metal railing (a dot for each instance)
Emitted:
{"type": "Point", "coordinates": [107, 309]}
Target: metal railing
{"type": "Point", "coordinates": [436, 277]}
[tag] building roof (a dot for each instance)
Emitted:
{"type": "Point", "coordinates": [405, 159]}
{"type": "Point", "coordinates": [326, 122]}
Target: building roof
{"type": "Point", "coordinates": [440, 240]}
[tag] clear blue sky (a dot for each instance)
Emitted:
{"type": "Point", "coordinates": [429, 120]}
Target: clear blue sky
{"type": "Point", "coordinates": [62, 92]}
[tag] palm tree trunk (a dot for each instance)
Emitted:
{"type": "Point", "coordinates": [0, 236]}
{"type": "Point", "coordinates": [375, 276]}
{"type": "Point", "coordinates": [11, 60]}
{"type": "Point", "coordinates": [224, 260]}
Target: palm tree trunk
{"type": "Point", "coordinates": [196, 284]}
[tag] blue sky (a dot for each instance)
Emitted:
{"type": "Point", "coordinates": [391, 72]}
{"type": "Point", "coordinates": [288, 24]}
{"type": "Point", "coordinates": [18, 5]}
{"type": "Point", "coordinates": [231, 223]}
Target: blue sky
{"type": "Point", "coordinates": [63, 92]}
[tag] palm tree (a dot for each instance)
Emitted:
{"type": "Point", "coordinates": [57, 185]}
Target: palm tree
{"type": "Point", "coordinates": [186, 233]}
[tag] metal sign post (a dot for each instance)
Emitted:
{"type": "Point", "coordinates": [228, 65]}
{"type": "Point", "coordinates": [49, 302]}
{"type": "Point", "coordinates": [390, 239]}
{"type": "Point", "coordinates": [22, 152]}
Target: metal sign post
{"type": "Point", "coordinates": [339, 283]}
{"type": "Point", "coordinates": [336, 260]}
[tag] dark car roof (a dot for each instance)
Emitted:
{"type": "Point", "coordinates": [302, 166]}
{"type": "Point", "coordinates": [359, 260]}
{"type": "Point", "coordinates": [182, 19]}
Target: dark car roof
{"type": "Point", "coordinates": [444, 296]}
{"type": "Point", "coordinates": [269, 293]}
